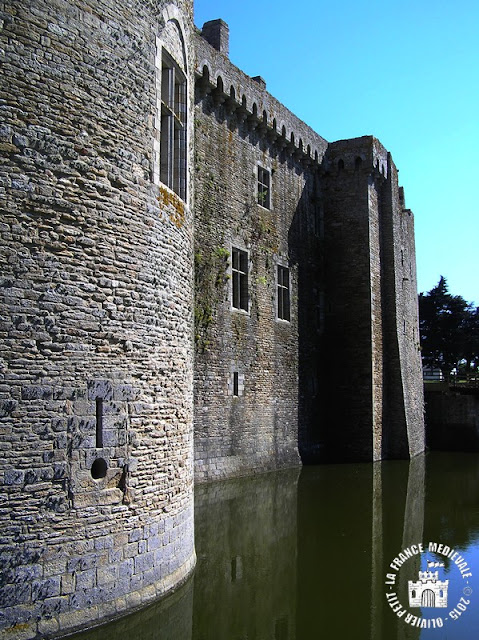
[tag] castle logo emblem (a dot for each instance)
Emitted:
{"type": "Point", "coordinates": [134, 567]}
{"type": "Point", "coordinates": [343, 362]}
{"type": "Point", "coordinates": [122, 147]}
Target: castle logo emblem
{"type": "Point", "coordinates": [429, 591]}
{"type": "Point", "coordinates": [441, 594]}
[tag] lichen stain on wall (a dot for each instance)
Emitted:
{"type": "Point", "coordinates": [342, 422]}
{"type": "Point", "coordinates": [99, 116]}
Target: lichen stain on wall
{"type": "Point", "coordinates": [174, 206]}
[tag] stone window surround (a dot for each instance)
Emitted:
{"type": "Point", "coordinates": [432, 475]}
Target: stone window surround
{"type": "Point", "coordinates": [282, 264]}
{"type": "Point", "coordinates": [235, 382]}
{"type": "Point", "coordinates": [181, 190]}
{"type": "Point", "coordinates": [239, 246]}
{"type": "Point", "coordinates": [263, 186]}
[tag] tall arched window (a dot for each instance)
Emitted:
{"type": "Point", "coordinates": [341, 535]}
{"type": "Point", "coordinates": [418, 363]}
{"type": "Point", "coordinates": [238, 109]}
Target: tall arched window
{"type": "Point", "coordinates": [173, 126]}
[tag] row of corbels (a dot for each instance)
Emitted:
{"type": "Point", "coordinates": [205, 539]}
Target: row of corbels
{"type": "Point", "coordinates": [254, 120]}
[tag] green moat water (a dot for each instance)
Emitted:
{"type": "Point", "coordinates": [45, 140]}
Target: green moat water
{"type": "Point", "coordinates": [303, 554]}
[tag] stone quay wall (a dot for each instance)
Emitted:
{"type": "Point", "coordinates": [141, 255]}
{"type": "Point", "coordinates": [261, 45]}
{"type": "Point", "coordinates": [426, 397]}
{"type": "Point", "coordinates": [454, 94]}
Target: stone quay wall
{"type": "Point", "coordinates": [452, 418]}
{"type": "Point", "coordinates": [96, 466]}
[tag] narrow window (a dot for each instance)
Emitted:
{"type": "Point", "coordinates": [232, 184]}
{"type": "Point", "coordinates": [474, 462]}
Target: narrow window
{"type": "Point", "coordinates": [283, 293]}
{"type": "Point", "coordinates": [263, 187]}
{"type": "Point", "coordinates": [99, 423]}
{"type": "Point", "coordinates": [173, 127]}
{"type": "Point", "coordinates": [235, 383]}
{"type": "Point", "coordinates": [239, 277]}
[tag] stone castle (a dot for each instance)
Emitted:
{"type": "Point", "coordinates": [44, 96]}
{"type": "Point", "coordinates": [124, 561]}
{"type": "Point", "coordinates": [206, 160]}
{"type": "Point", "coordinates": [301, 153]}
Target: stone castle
{"type": "Point", "coordinates": [194, 285]}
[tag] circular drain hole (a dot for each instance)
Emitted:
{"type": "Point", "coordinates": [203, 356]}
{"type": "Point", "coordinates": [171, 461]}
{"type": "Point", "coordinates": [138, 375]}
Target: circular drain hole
{"type": "Point", "coordinates": [99, 469]}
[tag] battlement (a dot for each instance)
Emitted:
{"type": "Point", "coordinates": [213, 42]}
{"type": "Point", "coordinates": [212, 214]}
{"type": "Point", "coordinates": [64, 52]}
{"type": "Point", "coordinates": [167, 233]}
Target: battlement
{"type": "Point", "coordinates": [247, 99]}
{"type": "Point", "coordinates": [356, 153]}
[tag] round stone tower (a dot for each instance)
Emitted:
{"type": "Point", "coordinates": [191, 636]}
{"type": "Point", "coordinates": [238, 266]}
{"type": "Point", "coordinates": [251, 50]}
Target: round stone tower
{"type": "Point", "coordinates": [96, 310]}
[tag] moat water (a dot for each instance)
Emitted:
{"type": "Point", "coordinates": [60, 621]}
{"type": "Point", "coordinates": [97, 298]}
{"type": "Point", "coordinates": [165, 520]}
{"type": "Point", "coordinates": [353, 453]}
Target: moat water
{"type": "Point", "coordinates": [304, 554]}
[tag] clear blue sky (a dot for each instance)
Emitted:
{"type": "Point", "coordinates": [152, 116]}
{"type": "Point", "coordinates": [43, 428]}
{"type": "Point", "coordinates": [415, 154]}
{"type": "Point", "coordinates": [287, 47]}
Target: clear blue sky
{"type": "Point", "coordinates": [404, 71]}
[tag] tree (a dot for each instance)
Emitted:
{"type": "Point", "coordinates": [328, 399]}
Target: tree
{"type": "Point", "coordinates": [471, 342]}
{"type": "Point", "coordinates": [449, 328]}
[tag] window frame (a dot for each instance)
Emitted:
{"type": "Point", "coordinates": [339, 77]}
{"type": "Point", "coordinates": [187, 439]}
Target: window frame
{"type": "Point", "coordinates": [172, 125]}
{"type": "Point", "coordinates": [239, 280]}
{"type": "Point", "coordinates": [283, 293]}
{"type": "Point", "coordinates": [263, 186]}
{"type": "Point", "coordinates": [236, 382]}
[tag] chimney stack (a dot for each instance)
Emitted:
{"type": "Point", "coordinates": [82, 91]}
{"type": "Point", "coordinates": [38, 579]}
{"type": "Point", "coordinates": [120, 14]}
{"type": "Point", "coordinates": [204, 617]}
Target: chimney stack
{"type": "Point", "coordinates": [217, 33]}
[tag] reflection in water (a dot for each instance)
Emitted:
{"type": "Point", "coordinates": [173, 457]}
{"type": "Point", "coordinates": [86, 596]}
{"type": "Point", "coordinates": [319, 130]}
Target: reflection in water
{"type": "Point", "coordinates": [303, 554]}
{"type": "Point", "coordinates": [245, 584]}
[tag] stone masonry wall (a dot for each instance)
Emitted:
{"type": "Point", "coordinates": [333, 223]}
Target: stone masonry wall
{"type": "Point", "coordinates": [452, 420]}
{"type": "Point", "coordinates": [404, 405]}
{"type": "Point", "coordinates": [351, 247]}
{"type": "Point", "coordinates": [96, 470]}
{"type": "Point", "coordinates": [97, 298]}
{"type": "Point", "coordinates": [375, 407]}
{"type": "Point", "coordinates": [258, 428]}
{"type": "Point", "coordinates": [338, 219]}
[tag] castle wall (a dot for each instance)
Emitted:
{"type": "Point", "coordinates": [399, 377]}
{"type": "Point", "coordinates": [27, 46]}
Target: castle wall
{"type": "Point", "coordinates": [102, 106]}
{"type": "Point", "coordinates": [404, 399]}
{"type": "Point", "coordinates": [353, 303]}
{"type": "Point", "coordinates": [96, 469]}
{"type": "Point", "coordinates": [257, 428]}
{"type": "Point", "coordinates": [375, 388]}
{"type": "Point", "coordinates": [338, 219]}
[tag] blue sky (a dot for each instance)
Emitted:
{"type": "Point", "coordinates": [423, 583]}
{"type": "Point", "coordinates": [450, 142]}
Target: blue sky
{"type": "Point", "coordinates": [406, 72]}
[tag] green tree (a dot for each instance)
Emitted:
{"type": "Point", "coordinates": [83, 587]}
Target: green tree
{"type": "Point", "coordinates": [449, 329]}
{"type": "Point", "coordinates": [471, 339]}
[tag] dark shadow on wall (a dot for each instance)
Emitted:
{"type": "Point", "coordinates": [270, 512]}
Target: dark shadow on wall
{"type": "Point", "coordinates": [306, 251]}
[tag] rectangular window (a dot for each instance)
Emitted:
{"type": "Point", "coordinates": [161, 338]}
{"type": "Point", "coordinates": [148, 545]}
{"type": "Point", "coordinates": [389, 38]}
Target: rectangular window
{"type": "Point", "coordinates": [283, 293]}
{"type": "Point", "coordinates": [235, 383]}
{"type": "Point", "coordinates": [239, 278]}
{"type": "Point", "coordinates": [263, 187]}
{"type": "Point", "coordinates": [173, 127]}
{"type": "Point", "coordinates": [99, 423]}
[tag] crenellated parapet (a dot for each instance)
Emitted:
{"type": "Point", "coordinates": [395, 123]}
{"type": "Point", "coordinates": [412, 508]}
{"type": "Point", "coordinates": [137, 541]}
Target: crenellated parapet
{"type": "Point", "coordinates": [365, 154]}
{"type": "Point", "coordinates": [246, 100]}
